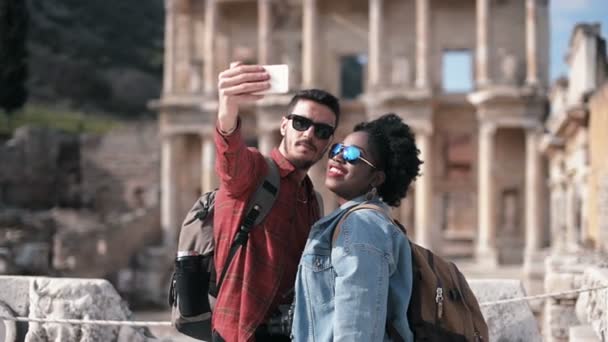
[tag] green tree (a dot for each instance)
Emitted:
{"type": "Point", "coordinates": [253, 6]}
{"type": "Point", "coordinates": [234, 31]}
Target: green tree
{"type": "Point", "coordinates": [13, 55]}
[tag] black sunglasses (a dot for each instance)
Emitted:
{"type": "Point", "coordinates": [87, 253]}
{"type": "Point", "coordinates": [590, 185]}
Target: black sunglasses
{"type": "Point", "coordinates": [350, 154]}
{"type": "Point", "coordinates": [300, 123]}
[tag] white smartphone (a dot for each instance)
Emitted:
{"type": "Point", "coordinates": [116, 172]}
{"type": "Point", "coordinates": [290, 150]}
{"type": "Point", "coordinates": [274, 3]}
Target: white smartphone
{"type": "Point", "coordinates": [279, 79]}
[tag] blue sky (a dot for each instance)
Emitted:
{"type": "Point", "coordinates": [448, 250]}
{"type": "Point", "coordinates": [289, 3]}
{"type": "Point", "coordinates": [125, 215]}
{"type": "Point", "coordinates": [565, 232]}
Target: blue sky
{"type": "Point", "coordinates": [564, 15]}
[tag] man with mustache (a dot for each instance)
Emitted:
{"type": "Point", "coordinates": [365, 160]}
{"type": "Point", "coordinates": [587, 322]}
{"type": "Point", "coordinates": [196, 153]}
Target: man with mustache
{"type": "Point", "coordinates": [261, 275]}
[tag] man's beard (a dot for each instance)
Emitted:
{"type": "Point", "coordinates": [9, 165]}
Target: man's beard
{"type": "Point", "coordinates": [300, 164]}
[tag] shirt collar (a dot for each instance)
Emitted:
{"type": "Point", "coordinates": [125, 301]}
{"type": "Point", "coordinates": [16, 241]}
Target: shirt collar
{"type": "Point", "coordinates": [285, 166]}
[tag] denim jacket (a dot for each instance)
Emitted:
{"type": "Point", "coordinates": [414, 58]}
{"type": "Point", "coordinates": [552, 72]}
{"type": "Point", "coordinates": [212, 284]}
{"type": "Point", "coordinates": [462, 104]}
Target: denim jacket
{"type": "Point", "coordinates": [351, 291]}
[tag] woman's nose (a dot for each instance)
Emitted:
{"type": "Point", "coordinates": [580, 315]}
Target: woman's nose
{"type": "Point", "coordinates": [338, 157]}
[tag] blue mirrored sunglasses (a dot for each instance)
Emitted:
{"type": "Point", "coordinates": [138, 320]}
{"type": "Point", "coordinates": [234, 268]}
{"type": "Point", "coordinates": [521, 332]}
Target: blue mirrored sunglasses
{"type": "Point", "coordinates": [350, 154]}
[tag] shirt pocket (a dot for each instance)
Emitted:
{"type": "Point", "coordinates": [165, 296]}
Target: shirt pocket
{"type": "Point", "coordinates": [319, 278]}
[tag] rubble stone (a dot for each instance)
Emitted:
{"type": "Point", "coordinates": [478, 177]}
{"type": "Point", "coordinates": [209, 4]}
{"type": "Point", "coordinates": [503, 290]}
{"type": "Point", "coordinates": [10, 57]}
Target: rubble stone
{"type": "Point", "coordinates": [506, 322]}
{"type": "Point", "coordinates": [61, 298]}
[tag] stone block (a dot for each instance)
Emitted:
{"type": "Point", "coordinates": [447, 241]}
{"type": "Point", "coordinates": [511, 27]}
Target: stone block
{"type": "Point", "coordinates": [559, 282]}
{"type": "Point", "coordinates": [60, 298]}
{"type": "Point", "coordinates": [558, 319]}
{"type": "Point", "coordinates": [8, 329]}
{"type": "Point", "coordinates": [583, 333]}
{"type": "Point", "coordinates": [592, 306]}
{"type": "Point", "coordinates": [506, 322]}
{"type": "Point", "coordinates": [16, 293]}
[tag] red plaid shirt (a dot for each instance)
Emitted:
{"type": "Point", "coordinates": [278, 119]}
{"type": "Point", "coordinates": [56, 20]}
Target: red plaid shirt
{"type": "Point", "coordinates": [261, 275]}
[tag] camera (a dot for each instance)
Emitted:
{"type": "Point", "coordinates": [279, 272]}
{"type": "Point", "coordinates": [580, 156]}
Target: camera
{"type": "Point", "coordinates": [280, 323]}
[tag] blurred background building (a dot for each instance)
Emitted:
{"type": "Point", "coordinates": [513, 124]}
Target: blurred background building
{"type": "Point", "coordinates": [481, 192]}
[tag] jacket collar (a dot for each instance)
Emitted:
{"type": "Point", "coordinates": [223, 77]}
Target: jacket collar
{"type": "Point", "coordinates": [344, 207]}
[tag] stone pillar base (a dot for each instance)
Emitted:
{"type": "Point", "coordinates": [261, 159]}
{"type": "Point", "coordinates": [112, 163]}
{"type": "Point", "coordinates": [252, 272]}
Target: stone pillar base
{"type": "Point", "coordinates": [486, 257]}
{"type": "Point", "coordinates": [534, 275]}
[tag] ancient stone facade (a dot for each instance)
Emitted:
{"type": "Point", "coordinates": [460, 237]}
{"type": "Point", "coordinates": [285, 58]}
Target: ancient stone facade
{"type": "Point", "coordinates": [575, 147]}
{"type": "Point", "coordinates": [481, 190]}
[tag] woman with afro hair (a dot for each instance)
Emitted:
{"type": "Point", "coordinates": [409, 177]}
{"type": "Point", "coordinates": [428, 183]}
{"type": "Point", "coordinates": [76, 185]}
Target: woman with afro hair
{"type": "Point", "coordinates": [354, 280]}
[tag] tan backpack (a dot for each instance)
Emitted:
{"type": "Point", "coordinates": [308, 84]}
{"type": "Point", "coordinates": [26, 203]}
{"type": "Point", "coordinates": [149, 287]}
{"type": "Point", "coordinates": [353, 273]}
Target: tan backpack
{"type": "Point", "coordinates": [443, 308]}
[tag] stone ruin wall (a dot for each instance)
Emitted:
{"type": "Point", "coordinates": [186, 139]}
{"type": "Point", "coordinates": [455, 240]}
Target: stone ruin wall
{"type": "Point", "coordinates": [67, 199]}
{"type": "Point", "coordinates": [120, 170]}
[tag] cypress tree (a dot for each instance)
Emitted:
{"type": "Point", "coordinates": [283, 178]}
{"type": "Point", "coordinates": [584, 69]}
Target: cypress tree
{"type": "Point", "coordinates": [13, 55]}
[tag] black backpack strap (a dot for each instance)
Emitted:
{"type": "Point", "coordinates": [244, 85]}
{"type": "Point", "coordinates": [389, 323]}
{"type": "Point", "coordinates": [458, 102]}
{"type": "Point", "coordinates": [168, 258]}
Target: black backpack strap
{"type": "Point", "coordinates": [257, 209]}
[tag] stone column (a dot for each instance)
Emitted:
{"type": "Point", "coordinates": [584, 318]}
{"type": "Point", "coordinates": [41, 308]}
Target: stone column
{"type": "Point", "coordinates": [557, 235]}
{"type": "Point", "coordinates": [208, 175]}
{"type": "Point", "coordinates": [482, 49]}
{"type": "Point", "coordinates": [486, 235]}
{"type": "Point", "coordinates": [422, 43]}
{"type": "Point", "coordinates": [570, 216]}
{"type": "Point", "coordinates": [534, 268]}
{"type": "Point", "coordinates": [309, 37]}
{"type": "Point", "coordinates": [169, 193]}
{"type": "Point", "coordinates": [169, 72]}
{"type": "Point", "coordinates": [531, 42]}
{"type": "Point", "coordinates": [210, 77]}
{"type": "Point", "coordinates": [424, 192]}
{"type": "Point", "coordinates": [534, 209]}
{"type": "Point", "coordinates": [376, 20]}
{"type": "Point", "coordinates": [264, 31]}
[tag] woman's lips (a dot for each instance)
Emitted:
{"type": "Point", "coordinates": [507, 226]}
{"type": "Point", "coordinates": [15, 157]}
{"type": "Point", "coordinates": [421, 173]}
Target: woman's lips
{"type": "Point", "coordinates": [335, 171]}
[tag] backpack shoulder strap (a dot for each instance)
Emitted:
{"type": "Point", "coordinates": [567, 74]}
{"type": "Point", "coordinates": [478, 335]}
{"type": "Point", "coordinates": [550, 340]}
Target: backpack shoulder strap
{"type": "Point", "coordinates": [259, 205]}
{"type": "Point", "coordinates": [266, 193]}
{"type": "Point", "coordinates": [364, 205]}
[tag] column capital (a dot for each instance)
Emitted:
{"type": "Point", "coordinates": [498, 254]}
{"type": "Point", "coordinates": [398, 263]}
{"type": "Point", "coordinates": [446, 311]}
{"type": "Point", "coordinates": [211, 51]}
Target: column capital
{"type": "Point", "coordinates": [535, 130]}
{"type": "Point", "coordinates": [167, 135]}
{"type": "Point", "coordinates": [488, 128]}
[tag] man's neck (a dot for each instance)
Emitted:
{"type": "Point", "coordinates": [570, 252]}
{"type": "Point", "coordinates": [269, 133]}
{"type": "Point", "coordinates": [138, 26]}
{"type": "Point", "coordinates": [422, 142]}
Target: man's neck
{"type": "Point", "coordinates": [300, 175]}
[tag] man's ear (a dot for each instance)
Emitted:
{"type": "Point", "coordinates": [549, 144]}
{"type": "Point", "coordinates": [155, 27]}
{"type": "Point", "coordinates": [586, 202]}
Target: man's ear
{"type": "Point", "coordinates": [283, 127]}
